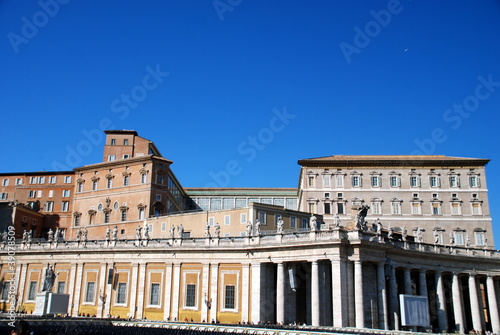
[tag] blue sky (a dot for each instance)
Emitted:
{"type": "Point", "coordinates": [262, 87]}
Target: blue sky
{"type": "Point", "coordinates": [236, 91]}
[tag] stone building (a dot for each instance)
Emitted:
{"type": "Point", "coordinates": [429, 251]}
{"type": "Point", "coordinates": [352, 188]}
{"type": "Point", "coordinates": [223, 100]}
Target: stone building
{"type": "Point", "coordinates": [360, 233]}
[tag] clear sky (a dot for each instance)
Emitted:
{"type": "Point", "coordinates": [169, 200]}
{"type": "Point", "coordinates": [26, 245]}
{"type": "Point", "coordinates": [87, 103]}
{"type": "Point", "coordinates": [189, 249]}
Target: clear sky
{"type": "Point", "coordinates": [235, 92]}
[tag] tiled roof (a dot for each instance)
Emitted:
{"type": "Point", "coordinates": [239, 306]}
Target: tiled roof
{"type": "Point", "coordinates": [393, 159]}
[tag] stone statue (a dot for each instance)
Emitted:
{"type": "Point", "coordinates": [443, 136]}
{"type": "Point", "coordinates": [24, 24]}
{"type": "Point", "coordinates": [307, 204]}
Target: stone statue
{"type": "Point", "coordinates": [404, 233]}
{"type": "Point", "coordinates": [361, 215]}
{"type": "Point", "coordinates": [467, 241]}
{"type": "Point", "coordinates": [138, 232]}
{"type": "Point", "coordinates": [25, 236]}
{"type": "Point", "coordinates": [313, 226]}
{"type": "Point", "coordinates": [79, 234]}
{"type": "Point", "coordinates": [207, 230]}
{"type": "Point", "coordinates": [146, 233]}
{"type": "Point", "coordinates": [436, 237]}
{"type": "Point", "coordinates": [115, 232]}
{"type": "Point", "coordinates": [108, 202]}
{"type": "Point", "coordinates": [420, 235]}
{"type": "Point", "coordinates": [257, 228]}
{"type": "Point", "coordinates": [85, 234]}
{"type": "Point", "coordinates": [4, 237]}
{"type": "Point", "coordinates": [57, 235]}
{"type": "Point", "coordinates": [280, 225]}
{"type": "Point", "coordinates": [108, 233]}
{"type": "Point", "coordinates": [48, 281]}
{"type": "Point", "coordinates": [249, 228]}
{"type": "Point", "coordinates": [172, 231]}
{"type": "Point", "coordinates": [452, 238]}
{"type": "Point", "coordinates": [378, 225]}
{"type": "Point", "coordinates": [180, 230]}
{"type": "Point", "coordinates": [217, 230]}
{"type": "Point", "coordinates": [390, 233]}
{"type": "Point", "coordinates": [336, 221]}
{"type": "Point", "coordinates": [50, 235]}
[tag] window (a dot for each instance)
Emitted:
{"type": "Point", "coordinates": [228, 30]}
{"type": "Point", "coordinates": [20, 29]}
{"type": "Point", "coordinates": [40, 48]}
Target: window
{"type": "Point", "coordinates": [293, 222]}
{"type": "Point", "coordinates": [125, 142]}
{"type": "Point", "coordinates": [312, 207]}
{"type": "Point", "coordinates": [376, 207]}
{"type": "Point", "coordinates": [51, 193]}
{"type": "Point", "coordinates": [476, 208]}
{"type": "Point", "coordinates": [154, 294]}
{"type": "Point", "coordinates": [459, 238]}
{"type": "Point", "coordinates": [144, 178]}
{"type": "Point", "coordinates": [41, 180]}
{"type": "Point", "coordinates": [89, 295]}
{"type": "Point", "coordinates": [416, 208]}
{"type": "Point", "coordinates": [49, 207]}
{"type": "Point", "coordinates": [109, 183]}
{"type": "Point", "coordinates": [479, 237]}
{"type": "Point", "coordinates": [52, 180]}
{"type": "Point", "coordinates": [76, 220]}
{"type": "Point", "coordinates": [19, 181]}
{"type": "Point", "coordinates": [39, 194]}
{"type": "Point", "coordinates": [3, 196]}
{"type": "Point", "coordinates": [474, 181]}
{"type": "Point", "coordinates": [326, 180]}
{"type": "Point", "coordinates": [111, 158]}
{"type": "Point", "coordinates": [340, 208]}
{"type": "Point", "coordinates": [141, 213]}
{"type": "Point", "coordinates": [159, 179]}
{"type": "Point", "coordinates": [190, 295]}
{"type": "Point", "coordinates": [113, 141]}
{"type": "Point", "coordinates": [61, 286]}
{"type": "Point", "coordinates": [228, 203]}
{"type": "Point", "coordinates": [121, 293]}
{"type": "Point", "coordinates": [67, 180]}
{"type": "Point", "coordinates": [227, 220]}
{"type": "Point", "coordinates": [305, 223]}
{"type": "Point", "coordinates": [243, 218]}
{"type": "Point", "coordinates": [32, 290]}
{"type": "Point", "coordinates": [262, 218]}
{"type": "Point", "coordinates": [5, 290]}
{"type": "Point", "coordinates": [394, 181]}
{"type": "Point", "coordinates": [310, 181]}
{"type": "Point", "coordinates": [124, 215]}
{"type": "Point", "coordinates": [229, 297]}
{"type": "Point", "coordinates": [65, 206]}
{"type": "Point", "coordinates": [436, 208]}
{"type": "Point", "coordinates": [396, 207]}
{"type": "Point", "coordinates": [327, 208]}
{"type": "Point", "coordinates": [66, 193]}
{"type": "Point", "coordinates": [414, 181]}
{"type": "Point", "coordinates": [126, 156]}
{"type": "Point", "coordinates": [5, 182]}
{"type": "Point", "coordinates": [454, 181]}
{"type": "Point", "coordinates": [339, 180]}
{"type": "Point", "coordinates": [80, 187]}
{"type": "Point", "coordinates": [240, 202]}
{"type": "Point", "coordinates": [94, 185]}
{"type": "Point", "coordinates": [375, 181]}
{"type": "Point", "coordinates": [434, 181]}
{"type": "Point", "coordinates": [126, 180]}
{"type": "Point", "coordinates": [106, 216]}
{"type": "Point", "coordinates": [356, 181]}
{"type": "Point", "coordinates": [456, 208]}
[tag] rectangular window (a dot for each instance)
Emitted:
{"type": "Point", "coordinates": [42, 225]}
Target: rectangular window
{"type": "Point", "coordinates": [304, 223]}
{"type": "Point", "coordinates": [61, 286]}
{"type": "Point", "coordinates": [19, 181]}
{"type": "Point", "coordinates": [51, 193]}
{"type": "Point", "coordinates": [5, 291]}
{"type": "Point", "coordinates": [262, 218]}
{"type": "Point", "coordinates": [459, 238]}
{"type": "Point", "coordinates": [328, 209]}
{"type": "Point", "coordinates": [243, 218]}
{"type": "Point", "coordinates": [125, 142]}
{"type": "Point", "coordinates": [89, 295]}
{"type": "Point", "coordinates": [454, 181]}
{"type": "Point", "coordinates": [154, 295]}
{"type": "Point", "coordinates": [80, 187]}
{"type": "Point", "coordinates": [312, 207]}
{"type": "Point", "coordinates": [293, 222]}
{"type": "Point", "coordinates": [159, 179]}
{"type": "Point", "coordinates": [31, 194]}
{"type": "Point", "coordinates": [394, 181]}
{"type": "Point", "coordinates": [216, 204]}
{"type": "Point", "coordinates": [229, 297]}
{"type": "Point", "coordinates": [340, 208]}
{"type": "Point", "coordinates": [94, 185]}
{"type": "Point", "coordinates": [113, 141]}
{"type": "Point", "coordinates": [32, 290]}
{"type": "Point", "coordinates": [396, 208]}
{"type": "Point", "coordinates": [66, 193]}
{"type": "Point", "coordinates": [479, 237]}
{"type": "Point", "coordinates": [144, 178]}
{"type": "Point", "coordinates": [41, 180]}
{"type": "Point", "coordinates": [49, 207]}
{"type": "Point", "coordinates": [65, 206]}
{"type": "Point", "coordinates": [67, 180]}
{"type": "Point", "coordinates": [455, 209]}
{"type": "Point", "coordinates": [52, 180]}
{"type": "Point", "coordinates": [241, 202]}
{"type": "Point", "coordinates": [436, 209]}
{"type": "Point", "coordinates": [5, 182]}
{"type": "Point", "coordinates": [39, 194]}
{"type": "Point", "coordinates": [375, 181]}
{"type": "Point", "coordinates": [416, 208]}
{"type": "Point", "coordinates": [109, 183]}
{"type": "Point", "coordinates": [121, 293]}
{"type": "Point", "coordinates": [326, 180]}
{"type": "Point", "coordinates": [434, 181]}
{"type": "Point", "coordinates": [106, 217]}
{"type": "Point", "coordinates": [228, 203]}
{"type": "Point", "coordinates": [476, 209]}
{"type": "Point", "coordinates": [124, 215]}
{"type": "Point", "coordinates": [158, 197]}
{"type": "Point", "coordinates": [339, 179]}
{"type": "Point", "coordinates": [126, 180]}
{"type": "Point", "coordinates": [310, 181]}
{"type": "Point", "coordinates": [141, 213]}
{"type": "Point", "coordinates": [77, 220]}
{"type": "Point", "coordinates": [474, 181]}
{"type": "Point", "coordinates": [190, 295]}
{"type": "Point", "coordinates": [126, 156]}
{"type": "Point", "coordinates": [414, 181]}
{"type": "Point", "coordinates": [376, 208]}
{"type": "Point", "coordinates": [356, 181]}
{"type": "Point", "coordinates": [227, 220]}
{"type": "Point", "coordinates": [3, 196]}
{"type": "Point", "coordinates": [111, 158]}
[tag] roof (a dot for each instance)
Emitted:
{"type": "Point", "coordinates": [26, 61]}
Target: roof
{"type": "Point", "coordinates": [254, 191]}
{"type": "Point", "coordinates": [397, 160]}
{"type": "Point", "coordinates": [123, 131]}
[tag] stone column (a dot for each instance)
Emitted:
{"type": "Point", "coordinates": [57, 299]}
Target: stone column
{"type": "Point", "coordinates": [78, 290]}
{"type": "Point", "coordinates": [176, 287]}
{"type": "Point", "coordinates": [339, 292]}
{"type": "Point", "coordinates": [358, 295]}
{"type": "Point", "coordinates": [394, 299]}
{"type": "Point", "coordinates": [102, 290]}
{"type": "Point", "coordinates": [133, 290]}
{"type": "Point", "coordinates": [422, 283]}
{"type": "Point", "coordinates": [280, 294]}
{"type": "Point", "coordinates": [71, 287]}
{"type": "Point", "coordinates": [214, 284]}
{"type": "Point", "coordinates": [382, 297]}
{"type": "Point", "coordinates": [245, 291]}
{"type": "Point", "coordinates": [255, 296]}
{"type": "Point", "coordinates": [205, 293]}
{"type": "Point", "coordinates": [108, 291]}
{"type": "Point", "coordinates": [141, 291]}
{"type": "Point", "coordinates": [457, 305]}
{"type": "Point", "coordinates": [474, 304]}
{"type": "Point", "coordinates": [315, 312]}
{"type": "Point", "coordinates": [350, 295]}
{"type": "Point", "coordinates": [167, 288]}
{"type": "Point", "coordinates": [441, 303]}
{"type": "Point", "coordinates": [493, 305]}
{"type": "Point", "coordinates": [21, 283]}
{"type": "Point", "coordinates": [407, 277]}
